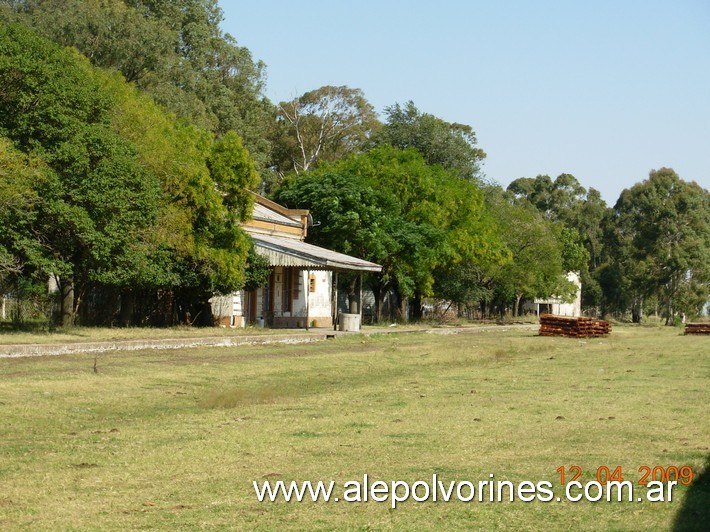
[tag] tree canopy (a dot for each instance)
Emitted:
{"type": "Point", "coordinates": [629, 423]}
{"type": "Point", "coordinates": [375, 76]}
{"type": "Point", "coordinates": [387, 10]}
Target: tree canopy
{"type": "Point", "coordinates": [389, 206]}
{"type": "Point", "coordinates": [450, 145]}
{"type": "Point", "coordinates": [173, 50]}
{"type": "Point", "coordinates": [542, 252]}
{"type": "Point", "coordinates": [326, 124]}
{"type": "Point", "coordinates": [582, 212]}
{"type": "Point", "coordinates": [659, 244]}
{"type": "Point", "coordinates": [129, 197]}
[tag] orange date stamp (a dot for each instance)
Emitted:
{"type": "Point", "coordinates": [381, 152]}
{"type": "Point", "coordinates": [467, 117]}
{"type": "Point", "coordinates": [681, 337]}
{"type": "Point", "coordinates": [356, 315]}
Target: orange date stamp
{"type": "Point", "coordinates": [658, 473]}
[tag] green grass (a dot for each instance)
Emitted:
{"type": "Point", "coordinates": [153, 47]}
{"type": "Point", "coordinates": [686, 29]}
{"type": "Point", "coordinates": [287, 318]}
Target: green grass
{"type": "Point", "coordinates": [173, 439]}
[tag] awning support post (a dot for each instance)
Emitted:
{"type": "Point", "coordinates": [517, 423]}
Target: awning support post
{"type": "Point", "coordinates": [334, 290]}
{"type": "Point", "coordinates": [360, 299]}
{"type": "Point", "coordinates": [308, 297]}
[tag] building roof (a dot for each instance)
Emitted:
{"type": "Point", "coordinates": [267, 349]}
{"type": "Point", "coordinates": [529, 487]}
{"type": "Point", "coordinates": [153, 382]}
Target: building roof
{"type": "Point", "coordinates": [263, 213]}
{"type": "Point", "coordinates": [289, 252]}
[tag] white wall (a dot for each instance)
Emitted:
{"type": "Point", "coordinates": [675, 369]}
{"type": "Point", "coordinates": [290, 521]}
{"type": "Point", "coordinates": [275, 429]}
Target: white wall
{"type": "Point", "coordinates": [229, 309]}
{"type": "Point", "coordinates": [319, 302]}
{"type": "Point", "coordinates": [559, 307]}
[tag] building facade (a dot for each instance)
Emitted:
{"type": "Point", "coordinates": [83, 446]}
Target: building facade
{"type": "Point", "coordinates": [556, 305]}
{"type": "Point", "coordinates": [302, 289]}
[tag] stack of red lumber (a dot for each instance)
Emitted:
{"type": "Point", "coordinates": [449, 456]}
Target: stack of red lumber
{"type": "Point", "coordinates": [551, 325]}
{"type": "Point", "coordinates": [697, 328]}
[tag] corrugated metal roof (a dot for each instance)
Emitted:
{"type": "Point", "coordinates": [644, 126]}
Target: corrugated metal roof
{"type": "Point", "coordinates": [287, 252]}
{"type": "Point", "coordinates": [263, 213]}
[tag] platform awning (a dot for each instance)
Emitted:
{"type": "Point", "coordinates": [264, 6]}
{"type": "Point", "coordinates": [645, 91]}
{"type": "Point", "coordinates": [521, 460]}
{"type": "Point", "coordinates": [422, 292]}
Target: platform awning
{"type": "Point", "coordinates": [292, 252]}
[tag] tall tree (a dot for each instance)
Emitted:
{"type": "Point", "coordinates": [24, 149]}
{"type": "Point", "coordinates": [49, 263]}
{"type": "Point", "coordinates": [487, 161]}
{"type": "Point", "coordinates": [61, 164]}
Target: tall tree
{"type": "Point", "coordinates": [132, 198]}
{"type": "Point", "coordinates": [450, 145]}
{"type": "Point", "coordinates": [97, 198]}
{"type": "Point", "coordinates": [565, 201]}
{"type": "Point", "coordinates": [660, 244]}
{"type": "Point", "coordinates": [539, 256]}
{"type": "Point", "coordinates": [390, 207]}
{"type": "Point", "coordinates": [197, 234]}
{"type": "Point", "coordinates": [325, 124]}
{"type": "Point", "coordinates": [110, 33]}
{"type": "Point", "coordinates": [174, 50]}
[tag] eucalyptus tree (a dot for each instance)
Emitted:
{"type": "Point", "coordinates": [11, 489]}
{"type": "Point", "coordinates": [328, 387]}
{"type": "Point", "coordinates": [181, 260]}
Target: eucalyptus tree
{"type": "Point", "coordinates": [566, 201]}
{"type": "Point", "coordinates": [541, 252]}
{"type": "Point", "coordinates": [173, 49]}
{"type": "Point", "coordinates": [322, 125]}
{"type": "Point", "coordinates": [450, 145]}
{"type": "Point", "coordinates": [659, 246]}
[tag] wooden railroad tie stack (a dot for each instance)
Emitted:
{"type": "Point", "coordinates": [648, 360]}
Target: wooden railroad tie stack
{"type": "Point", "coordinates": [697, 328]}
{"type": "Point", "coordinates": [551, 325]}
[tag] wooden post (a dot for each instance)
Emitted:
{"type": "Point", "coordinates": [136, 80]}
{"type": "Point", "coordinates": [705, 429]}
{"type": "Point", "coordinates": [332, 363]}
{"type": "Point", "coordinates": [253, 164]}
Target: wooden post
{"type": "Point", "coordinates": [67, 287]}
{"type": "Point", "coordinates": [308, 296]}
{"type": "Point", "coordinates": [334, 291]}
{"type": "Point", "coordinates": [359, 303]}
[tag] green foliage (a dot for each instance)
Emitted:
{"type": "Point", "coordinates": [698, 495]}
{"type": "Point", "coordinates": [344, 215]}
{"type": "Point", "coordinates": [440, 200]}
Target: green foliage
{"type": "Point", "coordinates": [110, 33]}
{"type": "Point", "coordinates": [351, 216]}
{"type": "Point", "coordinates": [389, 206]}
{"type": "Point", "coordinates": [450, 145]}
{"type": "Point", "coordinates": [173, 50]}
{"type": "Point", "coordinates": [466, 284]}
{"type": "Point", "coordinates": [129, 196]}
{"type": "Point", "coordinates": [18, 208]}
{"type": "Point", "coordinates": [204, 182]}
{"type": "Point", "coordinates": [97, 198]}
{"type": "Point", "coordinates": [579, 214]}
{"type": "Point", "coordinates": [659, 245]}
{"type": "Point", "coordinates": [556, 200]}
{"type": "Point", "coordinates": [564, 200]}
{"type": "Point", "coordinates": [257, 272]}
{"type": "Point", "coordinates": [322, 125]}
{"type": "Point", "coordinates": [233, 171]}
{"type": "Point", "coordinates": [540, 253]}
{"type": "Point", "coordinates": [575, 257]}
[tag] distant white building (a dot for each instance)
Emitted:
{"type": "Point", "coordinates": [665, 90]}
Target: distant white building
{"type": "Point", "coordinates": [302, 288]}
{"type": "Point", "coordinates": [557, 306]}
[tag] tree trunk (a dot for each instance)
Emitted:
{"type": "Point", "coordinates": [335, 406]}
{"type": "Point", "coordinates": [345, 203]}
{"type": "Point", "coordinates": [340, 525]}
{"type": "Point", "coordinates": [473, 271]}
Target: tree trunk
{"type": "Point", "coordinates": [637, 310]}
{"type": "Point", "coordinates": [415, 308]}
{"type": "Point", "coordinates": [128, 300]}
{"type": "Point", "coordinates": [377, 294]}
{"type": "Point", "coordinates": [403, 305]}
{"type": "Point", "coordinates": [67, 301]}
{"type": "Point", "coordinates": [516, 311]}
{"type": "Point", "coordinates": [352, 296]}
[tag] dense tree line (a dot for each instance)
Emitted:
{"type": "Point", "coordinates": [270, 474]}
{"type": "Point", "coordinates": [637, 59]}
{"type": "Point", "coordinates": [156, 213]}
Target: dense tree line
{"type": "Point", "coordinates": [104, 190]}
{"type": "Point", "coordinates": [129, 131]}
{"type": "Point", "coordinates": [172, 49]}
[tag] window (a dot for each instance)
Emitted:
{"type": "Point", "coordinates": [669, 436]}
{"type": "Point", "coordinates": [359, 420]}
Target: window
{"type": "Point", "coordinates": [312, 282]}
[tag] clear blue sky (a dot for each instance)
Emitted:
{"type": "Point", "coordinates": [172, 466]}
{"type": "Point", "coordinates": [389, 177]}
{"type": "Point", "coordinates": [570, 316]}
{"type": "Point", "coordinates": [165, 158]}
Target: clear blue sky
{"type": "Point", "coordinates": [604, 90]}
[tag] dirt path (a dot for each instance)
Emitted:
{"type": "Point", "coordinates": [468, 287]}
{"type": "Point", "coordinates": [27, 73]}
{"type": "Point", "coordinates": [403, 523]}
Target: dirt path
{"type": "Point", "coordinates": [315, 335]}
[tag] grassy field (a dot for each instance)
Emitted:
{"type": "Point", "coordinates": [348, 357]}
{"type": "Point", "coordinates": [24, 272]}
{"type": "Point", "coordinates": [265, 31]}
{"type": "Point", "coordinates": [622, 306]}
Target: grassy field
{"type": "Point", "coordinates": [174, 439]}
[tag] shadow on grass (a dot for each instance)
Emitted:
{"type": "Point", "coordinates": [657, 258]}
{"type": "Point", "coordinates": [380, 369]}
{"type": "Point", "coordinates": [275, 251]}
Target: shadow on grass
{"type": "Point", "coordinates": [695, 512]}
{"type": "Point", "coordinates": [30, 326]}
